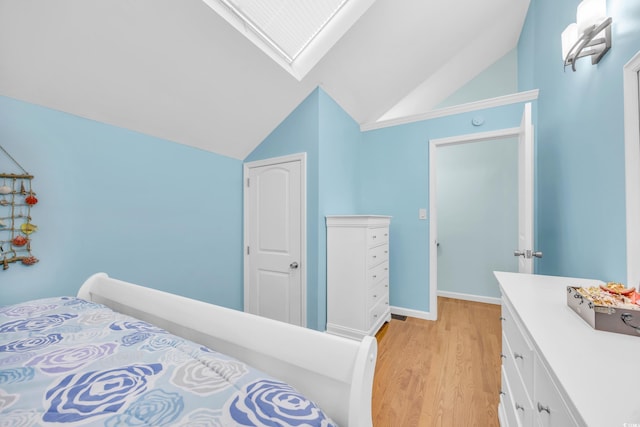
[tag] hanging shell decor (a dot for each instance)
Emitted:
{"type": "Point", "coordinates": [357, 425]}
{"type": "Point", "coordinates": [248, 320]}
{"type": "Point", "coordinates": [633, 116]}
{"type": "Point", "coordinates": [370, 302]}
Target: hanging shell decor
{"type": "Point", "coordinates": [31, 200]}
{"type": "Point", "coordinates": [16, 200]}
{"type": "Point", "coordinates": [29, 260]}
{"type": "Point", "coordinates": [28, 228]}
{"type": "Point", "coordinates": [19, 241]}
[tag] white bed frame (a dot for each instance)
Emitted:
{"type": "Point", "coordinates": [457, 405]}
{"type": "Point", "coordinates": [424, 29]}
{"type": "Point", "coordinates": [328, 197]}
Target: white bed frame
{"type": "Point", "coordinates": [335, 372]}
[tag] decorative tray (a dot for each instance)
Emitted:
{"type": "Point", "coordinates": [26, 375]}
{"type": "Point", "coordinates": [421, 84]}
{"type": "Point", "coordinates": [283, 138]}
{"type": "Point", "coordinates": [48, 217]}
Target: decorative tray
{"type": "Point", "coordinates": [610, 307]}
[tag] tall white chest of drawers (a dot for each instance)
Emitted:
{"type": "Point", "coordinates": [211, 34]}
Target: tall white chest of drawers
{"type": "Point", "coordinates": [357, 274]}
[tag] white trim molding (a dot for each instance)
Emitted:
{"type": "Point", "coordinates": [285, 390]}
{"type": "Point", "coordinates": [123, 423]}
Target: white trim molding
{"type": "Point", "coordinates": [632, 166]}
{"type": "Point", "coordinates": [499, 101]}
{"type": "Point", "coordinates": [469, 297]}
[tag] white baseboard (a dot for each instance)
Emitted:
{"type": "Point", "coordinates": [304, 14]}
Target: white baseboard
{"type": "Point", "coordinates": [469, 297]}
{"type": "Point", "coordinates": [426, 315]}
{"type": "Point", "coordinates": [412, 313]}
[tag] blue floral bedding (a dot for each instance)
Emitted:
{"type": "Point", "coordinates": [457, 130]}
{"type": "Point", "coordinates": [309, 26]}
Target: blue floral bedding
{"type": "Point", "coordinates": [69, 362]}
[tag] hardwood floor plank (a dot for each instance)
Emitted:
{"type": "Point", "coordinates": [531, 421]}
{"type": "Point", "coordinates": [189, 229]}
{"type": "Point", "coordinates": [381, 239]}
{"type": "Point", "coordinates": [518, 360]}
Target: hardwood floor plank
{"type": "Point", "coordinates": [443, 373]}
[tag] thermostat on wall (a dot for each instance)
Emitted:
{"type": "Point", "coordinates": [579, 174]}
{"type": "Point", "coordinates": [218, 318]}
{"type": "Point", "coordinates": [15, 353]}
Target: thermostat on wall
{"type": "Point", "coordinates": [477, 121]}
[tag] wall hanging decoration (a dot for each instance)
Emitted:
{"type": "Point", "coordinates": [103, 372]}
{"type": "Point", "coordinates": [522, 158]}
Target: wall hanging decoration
{"type": "Point", "coordinates": [16, 200]}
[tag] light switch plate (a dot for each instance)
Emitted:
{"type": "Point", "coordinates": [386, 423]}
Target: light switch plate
{"type": "Point", "coordinates": [422, 214]}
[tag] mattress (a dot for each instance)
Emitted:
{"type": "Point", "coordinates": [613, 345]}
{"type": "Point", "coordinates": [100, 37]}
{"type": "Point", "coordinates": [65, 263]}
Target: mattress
{"type": "Point", "coordinates": [66, 361]}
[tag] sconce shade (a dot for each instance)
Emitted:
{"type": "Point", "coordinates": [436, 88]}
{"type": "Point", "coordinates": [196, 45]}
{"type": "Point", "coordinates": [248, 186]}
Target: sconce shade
{"type": "Point", "coordinates": [590, 13]}
{"type": "Point", "coordinates": [589, 36]}
{"type": "Point", "coordinates": [569, 39]}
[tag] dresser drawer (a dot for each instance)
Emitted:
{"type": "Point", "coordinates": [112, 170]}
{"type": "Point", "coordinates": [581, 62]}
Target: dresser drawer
{"type": "Point", "coordinates": [506, 400]}
{"type": "Point", "coordinates": [378, 274]}
{"type": "Point", "coordinates": [520, 351]}
{"type": "Point", "coordinates": [377, 236]}
{"type": "Point", "coordinates": [378, 311]}
{"type": "Point", "coordinates": [377, 255]}
{"type": "Point", "coordinates": [378, 292]}
{"type": "Point", "coordinates": [550, 407]}
{"type": "Point", "coordinates": [519, 397]}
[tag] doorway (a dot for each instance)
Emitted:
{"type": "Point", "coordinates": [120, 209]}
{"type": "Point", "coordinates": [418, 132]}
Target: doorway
{"type": "Point", "coordinates": [525, 250]}
{"type": "Point", "coordinates": [477, 201]}
{"type": "Point", "coordinates": [275, 238]}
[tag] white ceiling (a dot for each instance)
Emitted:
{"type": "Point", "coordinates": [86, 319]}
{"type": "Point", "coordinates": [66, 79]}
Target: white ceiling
{"type": "Point", "coordinates": [176, 70]}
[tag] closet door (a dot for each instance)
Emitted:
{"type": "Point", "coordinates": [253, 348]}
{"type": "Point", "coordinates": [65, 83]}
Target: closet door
{"type": "Point", "coordinates": [273, 237]}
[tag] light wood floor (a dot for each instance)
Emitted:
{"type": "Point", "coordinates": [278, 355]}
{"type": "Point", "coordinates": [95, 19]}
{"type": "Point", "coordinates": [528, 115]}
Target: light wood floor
{"type": "Point", "coordinates": [442, 373]}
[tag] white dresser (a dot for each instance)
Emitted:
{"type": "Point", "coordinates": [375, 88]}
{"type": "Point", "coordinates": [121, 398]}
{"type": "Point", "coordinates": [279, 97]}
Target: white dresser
{"type": "Point", "coordinates": [357, 274]}
{"type": "Point", "coordinates": [556, 370]}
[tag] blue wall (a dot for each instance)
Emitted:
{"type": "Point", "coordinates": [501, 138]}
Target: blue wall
{"type": "Point", "coordinates": [500, 78]}
{"type": "Point", "coordinates": [142, 209]}
{"type": "Point", "coordinates": [330, 137]}
{"type": "Point", "coordinates": [580, 142]}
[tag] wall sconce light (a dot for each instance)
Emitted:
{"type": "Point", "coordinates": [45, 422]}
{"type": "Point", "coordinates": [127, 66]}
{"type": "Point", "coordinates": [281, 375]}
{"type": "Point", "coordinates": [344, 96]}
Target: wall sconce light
{"type": "Point", "coordinates": [590, 35]}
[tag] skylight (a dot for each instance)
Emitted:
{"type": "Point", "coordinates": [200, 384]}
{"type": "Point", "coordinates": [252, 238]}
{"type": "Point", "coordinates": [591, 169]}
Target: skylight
{"type": "Point", "coordinates": [294, 33]}
{"type": "Point", "coordinates": [288, 25]}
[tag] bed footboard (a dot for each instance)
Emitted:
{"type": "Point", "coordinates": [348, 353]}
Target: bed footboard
{"type": "Point", "coordinates": [335, 372]}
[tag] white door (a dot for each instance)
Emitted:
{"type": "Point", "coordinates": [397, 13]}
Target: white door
{"type": "Point", "coordinates": [274, 219]}
{"type": "Point", "coordinates": [525, 251]}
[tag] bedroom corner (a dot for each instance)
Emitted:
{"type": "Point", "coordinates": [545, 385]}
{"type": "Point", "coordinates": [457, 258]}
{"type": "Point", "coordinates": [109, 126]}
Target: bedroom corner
{"type": "Point", "coordinates": [132, 205]}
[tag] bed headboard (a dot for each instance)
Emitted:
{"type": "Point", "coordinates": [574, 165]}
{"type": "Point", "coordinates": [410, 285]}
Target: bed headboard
{"type": "Point", "coordinates": [335, 372]}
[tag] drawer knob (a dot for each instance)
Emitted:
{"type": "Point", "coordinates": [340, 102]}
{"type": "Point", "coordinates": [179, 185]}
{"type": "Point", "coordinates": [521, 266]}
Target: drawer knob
{"type": "Point", "coordinates": [543, 408]}
{"type": "Point", "coordinates": [374, 236]}
{"type": "Point", "coordinates": [502, 393]}
{"type": "Point", "coordinates": [386, 269]}
{"type": "Point", "coordinates": [502, 356]}
{"type": "Point", "coordinates": [519, 407]}
{"type": "Point", "coordinates": [375, 315]}
{"type": "Point", "coordinates": [518, 356]}
{"type": "Point", "coordinates": [503, 318]}
{"type": "Point", "coordinates": [374, 276]}
{"type": "Point", "coordinates": [385, 234]}
{"type": "Point", "coordinates": [375, 256]}
{"type": "Point", "coordinates": [375, 296]}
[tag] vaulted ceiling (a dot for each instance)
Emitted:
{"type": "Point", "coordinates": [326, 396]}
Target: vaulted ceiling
{"type": "Point", "coordinates": [176, 70]}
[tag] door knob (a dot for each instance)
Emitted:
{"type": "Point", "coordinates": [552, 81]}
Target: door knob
{"type": "Point", "coordinates": [293, 265]}
{"type": "Point", "coordinates": [527, 254]}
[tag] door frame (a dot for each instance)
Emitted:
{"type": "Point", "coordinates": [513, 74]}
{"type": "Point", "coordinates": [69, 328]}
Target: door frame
{"type": "Point", "coordinates": [632, 166]}
{"type": "Point", "coordinates": [302, 158]}
{"type": "Point", "coordinates": [434, 144]}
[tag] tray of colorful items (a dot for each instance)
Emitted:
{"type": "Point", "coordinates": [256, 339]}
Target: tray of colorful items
{"type": "Point", "coordinates": [610, 307]}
